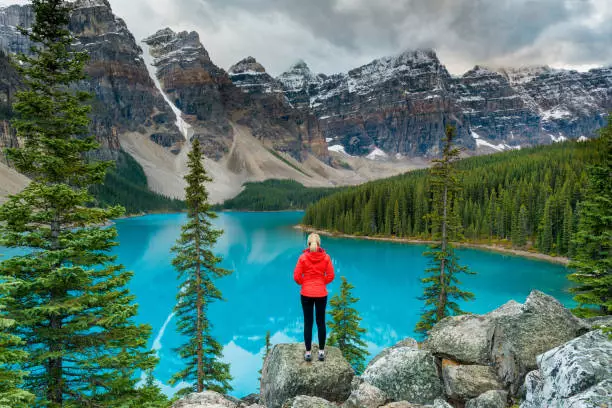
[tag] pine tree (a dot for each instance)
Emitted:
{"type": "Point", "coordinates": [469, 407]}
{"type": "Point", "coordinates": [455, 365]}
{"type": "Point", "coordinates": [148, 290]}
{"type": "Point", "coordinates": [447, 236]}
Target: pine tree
{"type": "Point", "coordinates": [522, 226]}
{"type": "Point", "coordinates": [397, 221]}
{"type": "Point", "coordinates": [593, 240]}
{"type": "Point", "coordinates": [267, 347]}
{"type": "Point", "coordinates": [568, 229]}
{"type": "Point", "coordinates": [68, 298]}
{"type": "Point", "coordinates": [441, 285]}
{"type": "Point", "coordinates": [545, 229]}
{"type": "Point", "coordinates": [150, 395]}
{"type": "Point", "coordinates": [11, 378]}
{"type": "Point", "coordinates": [346, 334]}
{"type": "Point", "coordinates": [197, 268]}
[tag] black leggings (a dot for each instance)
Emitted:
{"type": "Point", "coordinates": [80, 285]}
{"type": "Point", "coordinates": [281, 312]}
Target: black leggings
{"type": "Point", "coordinates": [319, 303]}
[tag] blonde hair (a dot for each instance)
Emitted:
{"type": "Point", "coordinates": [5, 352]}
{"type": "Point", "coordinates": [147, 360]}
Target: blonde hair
{"type": "Point", "coordinates": [314, 242]}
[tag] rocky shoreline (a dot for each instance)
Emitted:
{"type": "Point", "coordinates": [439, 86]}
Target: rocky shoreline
{"type": "Point", "coordinates": [534, 354]}
{"type": "Point", "coordinates": [495, 248]}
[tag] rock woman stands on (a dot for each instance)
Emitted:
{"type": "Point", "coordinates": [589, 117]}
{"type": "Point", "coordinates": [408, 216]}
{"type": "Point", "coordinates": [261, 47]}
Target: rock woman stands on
{"type": "Point", "coordinates": [314, 271]}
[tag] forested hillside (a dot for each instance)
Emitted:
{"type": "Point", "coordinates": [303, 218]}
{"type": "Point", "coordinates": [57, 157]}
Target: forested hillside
{"type": "Point", "coordinates": [126, 185]}
{"type": "Point", "coordinates": [526, 198]}
{"type": "Point", "coordinates": [276, 195]}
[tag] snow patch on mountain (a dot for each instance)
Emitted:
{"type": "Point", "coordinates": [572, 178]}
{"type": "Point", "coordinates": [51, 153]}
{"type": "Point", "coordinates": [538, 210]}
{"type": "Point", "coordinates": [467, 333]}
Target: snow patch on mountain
{"type": "Point", "coordinates": [558, 139]}
{"type": "Point", "coordinates": [185, 128]}
{"type": "Point", "coordinates": [377, 154]}
{"type": "Point", "coordinates": [337, 149]}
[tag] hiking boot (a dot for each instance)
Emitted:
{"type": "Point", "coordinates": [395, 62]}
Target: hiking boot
{"type": "Point", "coordinates": [307, 356]}
{"type": "Point", "coordinates": [321, 355]}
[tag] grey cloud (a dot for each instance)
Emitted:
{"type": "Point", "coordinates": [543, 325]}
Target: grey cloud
{"type": "Point", "coordinates": [335, 35]}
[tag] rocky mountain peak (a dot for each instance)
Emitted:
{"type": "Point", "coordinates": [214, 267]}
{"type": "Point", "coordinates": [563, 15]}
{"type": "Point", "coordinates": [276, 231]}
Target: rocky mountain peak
{"type": "Point", "coordinates": [90, 3]}
{"type": "Point", "coordinates": [480, 70]}
{"type": "Point", "coordinates": [247, 65]}
{"type": "Point", "coordinates": [522, 75]}
{"type": "Point", "coordinates": [168, 46]}
{"type": "Point", "coordinates": [298, 77]}
{"type": "Point", "coordinates": [251, 77]}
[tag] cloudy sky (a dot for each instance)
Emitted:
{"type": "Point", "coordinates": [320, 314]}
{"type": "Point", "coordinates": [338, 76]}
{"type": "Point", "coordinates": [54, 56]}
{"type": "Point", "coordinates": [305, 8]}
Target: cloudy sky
{"type": "Point", "coordinates": [337, 35]}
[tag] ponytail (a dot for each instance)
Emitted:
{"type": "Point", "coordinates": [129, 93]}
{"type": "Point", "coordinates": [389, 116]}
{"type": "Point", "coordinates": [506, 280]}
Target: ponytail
{"type": "Point", "coordinates": [314, 242]}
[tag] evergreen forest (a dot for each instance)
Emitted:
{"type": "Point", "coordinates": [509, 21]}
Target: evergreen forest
{"type": "Point", "coordinates": [525, 199]}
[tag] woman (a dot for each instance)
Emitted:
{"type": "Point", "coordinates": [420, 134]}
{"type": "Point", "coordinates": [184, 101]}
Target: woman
{"type": "Point", "coordinates": [314, 270]}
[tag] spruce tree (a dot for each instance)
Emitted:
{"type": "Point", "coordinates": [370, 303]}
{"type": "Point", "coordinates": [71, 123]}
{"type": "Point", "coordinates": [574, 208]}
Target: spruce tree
{"type": "Point", "coordinates": [441, 283]}
{"type": "Point", "coordinates": [522, 226]}
{"type": "Point", "coordinates": [68, 298]}
{"type": "Point", "coordinates": [568, 229]}
{"type": "Point", "coordinates": [11, 378]}
{"type": "Point", "coordinates": [197, 268]}
{"type": "Point", "coordinates": [150, 395]}
{"type": "Point", "coordinates": [545, 229]}
{"type": "Point", "coordinates": [267, 347]}
{"type": "Point", "coordinates": [592, 262]}
{"type": "Point", "coordinates": [346, 334]}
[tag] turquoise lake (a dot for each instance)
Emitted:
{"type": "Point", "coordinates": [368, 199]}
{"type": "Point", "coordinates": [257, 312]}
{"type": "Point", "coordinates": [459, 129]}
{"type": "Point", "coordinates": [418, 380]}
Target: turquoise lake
{"type": "Point", "coordinates": [261, 296]}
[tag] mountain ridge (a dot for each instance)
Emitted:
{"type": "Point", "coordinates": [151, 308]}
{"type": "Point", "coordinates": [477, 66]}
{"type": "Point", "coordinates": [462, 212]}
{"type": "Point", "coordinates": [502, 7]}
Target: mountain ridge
{"type": "Point", "coordinates": [372, 121]}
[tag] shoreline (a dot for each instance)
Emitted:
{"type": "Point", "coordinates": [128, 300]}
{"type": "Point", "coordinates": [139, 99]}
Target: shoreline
{"type": "Point", "coordinates": [493, 248]}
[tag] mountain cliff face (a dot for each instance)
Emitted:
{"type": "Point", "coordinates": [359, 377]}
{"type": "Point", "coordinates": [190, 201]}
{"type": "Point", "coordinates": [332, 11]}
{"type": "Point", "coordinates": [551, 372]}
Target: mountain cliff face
{"type": "Point", "coordinates": [9, 83]}
{"type": "Point", "coordinates": [212, 101]}
{"type": "Point", "coordinates": [402, 104]}
{"type": "Point", "coordinates": [398, 104]}
{"type": "Point", "coordinates": [125, 96]}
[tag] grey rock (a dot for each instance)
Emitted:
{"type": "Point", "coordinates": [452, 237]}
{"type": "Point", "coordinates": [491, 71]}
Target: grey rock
{"type": "Point", "coordinates": [463, 382]}
{"type": "Point", "coordinates": [490, 399]}
{"type": "Point", "coordinates": [466, 338]}
{"type": "Point", "coordinates": [357, 381]}
{"type": "Point", "coordinates": [577, 374]}
{"type": "Point", "coordinates": [404, 404]}
{"type": "Point", "coordinates": [406, 373]}
{"type": "Point", "coordinates": [251, 399]}
{"type": "Point", "coordinates": [305, 401]}
{"type": "Point", "coordinates": [599, 321]}
{"type": "Point", "coordinates": [407, 342]}
{"type": "Point", "coordinates": [440, 403]}
{"type": "Point", "coordinates": [286, 375]}
{"type": "Point", "coordinates": [366, 396]}
{"type": "Point", "coordinates": [206, 399]}
{"type": "Point", "coordinates": [541, 324]}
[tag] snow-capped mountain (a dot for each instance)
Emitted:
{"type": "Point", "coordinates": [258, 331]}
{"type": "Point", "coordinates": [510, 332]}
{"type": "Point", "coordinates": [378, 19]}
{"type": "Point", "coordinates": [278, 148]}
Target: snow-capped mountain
{"type": "Point", "coordinates": [372, 121]}
{"type": "Point", "coordinates": [401, 104]}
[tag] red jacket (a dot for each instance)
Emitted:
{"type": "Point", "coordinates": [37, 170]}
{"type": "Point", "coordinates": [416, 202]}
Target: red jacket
{"type": "Point", "coordinates": [313, 271]}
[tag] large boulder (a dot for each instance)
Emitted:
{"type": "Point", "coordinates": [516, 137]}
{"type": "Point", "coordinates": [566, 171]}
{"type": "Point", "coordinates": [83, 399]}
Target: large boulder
{"type": "Point", "coordinates": [541, 324]}
{"type": "Point", "coordinates": [406, 374]}
{"type": "Point", "coordinates": [577, 374]}
{"type": "Point", "coordinates": [366, 396]}
{"type": "Point", "coordinates": [286, 375]}
{"type": "Point", "coordinates": [490, 399]}
{"type": "Point", "coordinates": [206, 399]}
{"type": "Point", "coordinates": [463, 382]}
{"type": "Point", "coordinates": [407, 342]}
{"type": "Point", "coordinates": [440, 403]}
{"type": "Point", "coordinates": [464, 338]}
{"type": "Point", "coordinates": [307, 401]}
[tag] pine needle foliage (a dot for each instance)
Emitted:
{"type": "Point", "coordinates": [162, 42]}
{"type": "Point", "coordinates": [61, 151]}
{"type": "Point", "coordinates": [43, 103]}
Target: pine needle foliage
{"type": "Point", "coordinates": [346, 334]}
{"type": "Point", "coordinates": [198, 268]}
{"type": "Point", "coordinates": [441, 284]}
{"type": "Point", "coordinates": [592, 263]}
{"type": "Point", "coordinates": [11, 377]}
{"type": "Point", "coordinates": [267, 348]}
{"type": "Point", "coordinates": [67, 297]}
